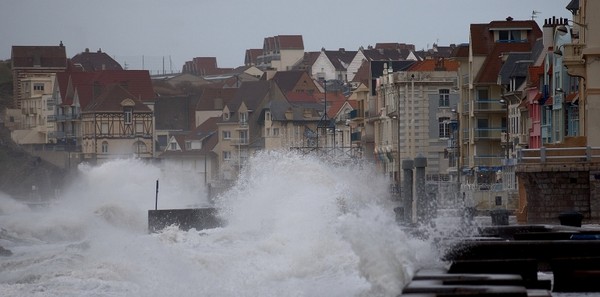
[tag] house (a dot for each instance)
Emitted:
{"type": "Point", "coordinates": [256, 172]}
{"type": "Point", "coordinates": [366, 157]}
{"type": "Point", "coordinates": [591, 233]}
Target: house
{"type": "Point", "coordinates": [27, 61]}
{"type": "Point", "coordinates": [281, 52]}
{"type": "Point", "coordinates": [174, 115]}
{"type": "Point", "coordinates": [332, 65]}
{"type": "Point", "coordinates": [191, 154]}
{"type": "Point", "coordinates": [381, 52]}
{"type": "Point", "coordinates": [116, 124]}
{"type": "Point", "coordinates": [240, 135]}
{"type": "Point", "coordinates": [36, 108]}
{"type": "Point", "coordinates": [483, 117]}
{"type": "Point", "coordinates": [74, 91]}
{"type": "Point", "coordinates": [417, 109]}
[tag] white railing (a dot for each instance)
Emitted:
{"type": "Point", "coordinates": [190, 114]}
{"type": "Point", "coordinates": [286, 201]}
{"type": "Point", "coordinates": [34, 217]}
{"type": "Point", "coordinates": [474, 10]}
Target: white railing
{"type": "Point", "coordinates": [558, 155]}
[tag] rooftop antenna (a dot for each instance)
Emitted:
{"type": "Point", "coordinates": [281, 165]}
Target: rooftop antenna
{"type": "Point", "coordinates": [534, 14]}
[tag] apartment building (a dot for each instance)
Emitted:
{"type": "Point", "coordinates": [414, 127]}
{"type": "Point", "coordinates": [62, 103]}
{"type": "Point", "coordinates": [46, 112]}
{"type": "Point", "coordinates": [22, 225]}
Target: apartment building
{"type": "Point", "coordinates": [483, 114]}
{"type": "Point", "coordinates": [418, 109]}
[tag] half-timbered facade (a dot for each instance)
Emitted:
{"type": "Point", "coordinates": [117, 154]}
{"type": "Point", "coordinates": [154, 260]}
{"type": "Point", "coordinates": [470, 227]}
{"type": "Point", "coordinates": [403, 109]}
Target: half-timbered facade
{"type": "Point", "coordinates": [116, 125]}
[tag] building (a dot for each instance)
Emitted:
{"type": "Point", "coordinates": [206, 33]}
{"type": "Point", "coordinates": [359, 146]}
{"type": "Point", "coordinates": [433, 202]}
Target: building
{"type": "Point", "coordinates": [36, 108]}
{"type": "Point", "coordinates": [418, 107]}
{"type": "Point", "coordinates": [191, 154]}
{"type": "Point", "coordinates": [30, 61]}
{"type": "Point", "coordinates": [483, 117]}
{"type": "Point", "coordinates": [281, 52]}
{"type": "Point", "coordinates": [115, 125]}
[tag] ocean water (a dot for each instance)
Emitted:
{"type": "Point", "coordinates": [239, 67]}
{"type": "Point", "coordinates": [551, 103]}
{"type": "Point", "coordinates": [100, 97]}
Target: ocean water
{"type": "Point", "coordinates": [296, 226]}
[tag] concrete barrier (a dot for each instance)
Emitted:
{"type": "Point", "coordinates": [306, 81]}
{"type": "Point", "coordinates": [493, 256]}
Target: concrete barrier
{"type": "Point", "coordinates": [185, 219]}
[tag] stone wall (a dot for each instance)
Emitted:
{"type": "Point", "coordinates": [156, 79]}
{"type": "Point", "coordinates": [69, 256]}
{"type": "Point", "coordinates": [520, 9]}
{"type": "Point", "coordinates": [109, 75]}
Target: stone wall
{"type": "Point", "coordinates": [554, 189]}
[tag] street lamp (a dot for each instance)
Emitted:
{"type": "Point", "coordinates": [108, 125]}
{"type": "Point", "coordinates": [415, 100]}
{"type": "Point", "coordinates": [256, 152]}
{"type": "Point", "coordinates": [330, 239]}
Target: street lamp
{"type": "Point", "coordinates": [505, 103]}
{"type": "Point", "coordinates": [457, 148]}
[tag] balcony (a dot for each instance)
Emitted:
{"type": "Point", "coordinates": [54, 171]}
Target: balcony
{"type": "Point", "coordinates": [488, 133]}
{"type": "Point", "coordinates": [573, 59]}
{"type": "Point", "coordinates": [355, 136]}
{"type": "Point", "coordinates": [239, 141]}
{"type": "Point", "coordinates": [488, 105]}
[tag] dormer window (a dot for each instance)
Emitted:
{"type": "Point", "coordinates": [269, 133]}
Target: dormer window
{"type": "Point", "coordinates": [128, 115]}
{"type": "Point", "coordinates": [243, 117]}
{"type": "Point", "coordinates": [509, 35]}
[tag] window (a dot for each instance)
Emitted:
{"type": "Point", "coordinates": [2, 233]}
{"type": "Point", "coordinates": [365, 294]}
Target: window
{"type": "Point", "coordinates": [188, 145]}
{"type": "Point", "coordinates": [275, 131]}
{"type": "Point", "coordinates": [243, 136]}
{"type": "Point", "coordinates": [482, 95]}
{"type": "Point", "coordinates": [38, 86]}
{"type": "Point", "coordinates": [226, 155]}
{"type": "Point", "coordinates": [104, 147]}
{"type": "Point", "coordinates": [173, 146]}
{"type": "Point", "coordinates": [444, 97]}
{"type": "Point", "coordinates": [243, 117]}
{"type": "Point", "coordinates": [128, 115]}
{"type": "Point", "coordinates": [226, 134]}
{"type": "Point", "coordinates": [509, 36]}
{"type": "Point", "coordinates": [444, 127]}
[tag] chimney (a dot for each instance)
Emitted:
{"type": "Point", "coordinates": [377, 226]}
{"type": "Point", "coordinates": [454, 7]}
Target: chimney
{"type": "Point", "coordinates": [509, 18]}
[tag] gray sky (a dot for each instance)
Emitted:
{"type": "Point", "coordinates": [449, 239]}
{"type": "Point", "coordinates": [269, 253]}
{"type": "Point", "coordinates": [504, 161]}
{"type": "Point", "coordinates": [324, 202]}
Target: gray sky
{"type": "Point", "coordinates": [179, 30]}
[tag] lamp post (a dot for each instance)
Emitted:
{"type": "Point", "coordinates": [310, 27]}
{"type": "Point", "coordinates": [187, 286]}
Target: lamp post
{"type": "Point", "coordinates": [457, 147]}
{"type": "Point", "coordinates": [505, 103]}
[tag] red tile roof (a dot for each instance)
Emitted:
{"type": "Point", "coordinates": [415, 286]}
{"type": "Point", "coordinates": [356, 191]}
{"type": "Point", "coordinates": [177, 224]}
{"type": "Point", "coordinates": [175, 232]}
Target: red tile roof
{"type": "Point", "coordinates": [252, 55]}
{"type": "Point", "coordinates": [435, 65]}
{"type": "Point", "coordinates": [488, 74]}
{"type": "Point", "coordinates": [110, 101]}
{"type": "Point", "coordinates": [482, 35]}
{"type": "Point", "coordinates": [44, 56]}
{"type": "Point", "coordinates": [95, 61]}
{"type": "Point", "coordinates": [90, 84]}
{"type": "Point", "coordinates": [289, 42]}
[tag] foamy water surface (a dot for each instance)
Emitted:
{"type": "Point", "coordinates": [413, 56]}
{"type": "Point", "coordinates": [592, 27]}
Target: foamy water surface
{"type": "Point", "coordinates": [296, 226]}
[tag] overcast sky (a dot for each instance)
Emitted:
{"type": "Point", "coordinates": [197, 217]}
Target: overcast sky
{"type": "Point", "coordinates": [179, 30]}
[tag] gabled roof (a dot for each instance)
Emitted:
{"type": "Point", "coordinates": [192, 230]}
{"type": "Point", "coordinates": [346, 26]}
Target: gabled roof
{"type": "Point", "coordinates": [42, 56]}
{"type": "Point", "coordinates": [341, 58]}
{"type": "Point", "coordinates": [251, 56]}
{"type": "Point", "coordinates": [206, 132]}
{"type": "Point", "coordinates": [296, 97]}
{"type": "Point", "coordinates": [89, 84]}
{"type": "Point", "coordinates": [363, 74]}
{"type": "Point", "coordinates": [215, 98]}
{"type": "Point", "coordinates": [95, 61]}
{"type": "Point", "coordinates": [287, 80]}
{"type": "Point", "coordinates": [251, 93]}
{"type": "Point", "coordinates": [289, 42]}
{"type": "Point", "coordinates": [534, 75]}
{"type": "Point", "coordinates": [111, 100]}
{"type": "Point", "coordinates": [283, 42]}
{"type": "Point", "coordinates": [488, 74]}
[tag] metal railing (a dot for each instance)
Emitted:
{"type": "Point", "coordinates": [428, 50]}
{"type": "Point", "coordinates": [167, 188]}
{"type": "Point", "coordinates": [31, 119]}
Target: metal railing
{"type": "Point", "coordinates": [561, 155]}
